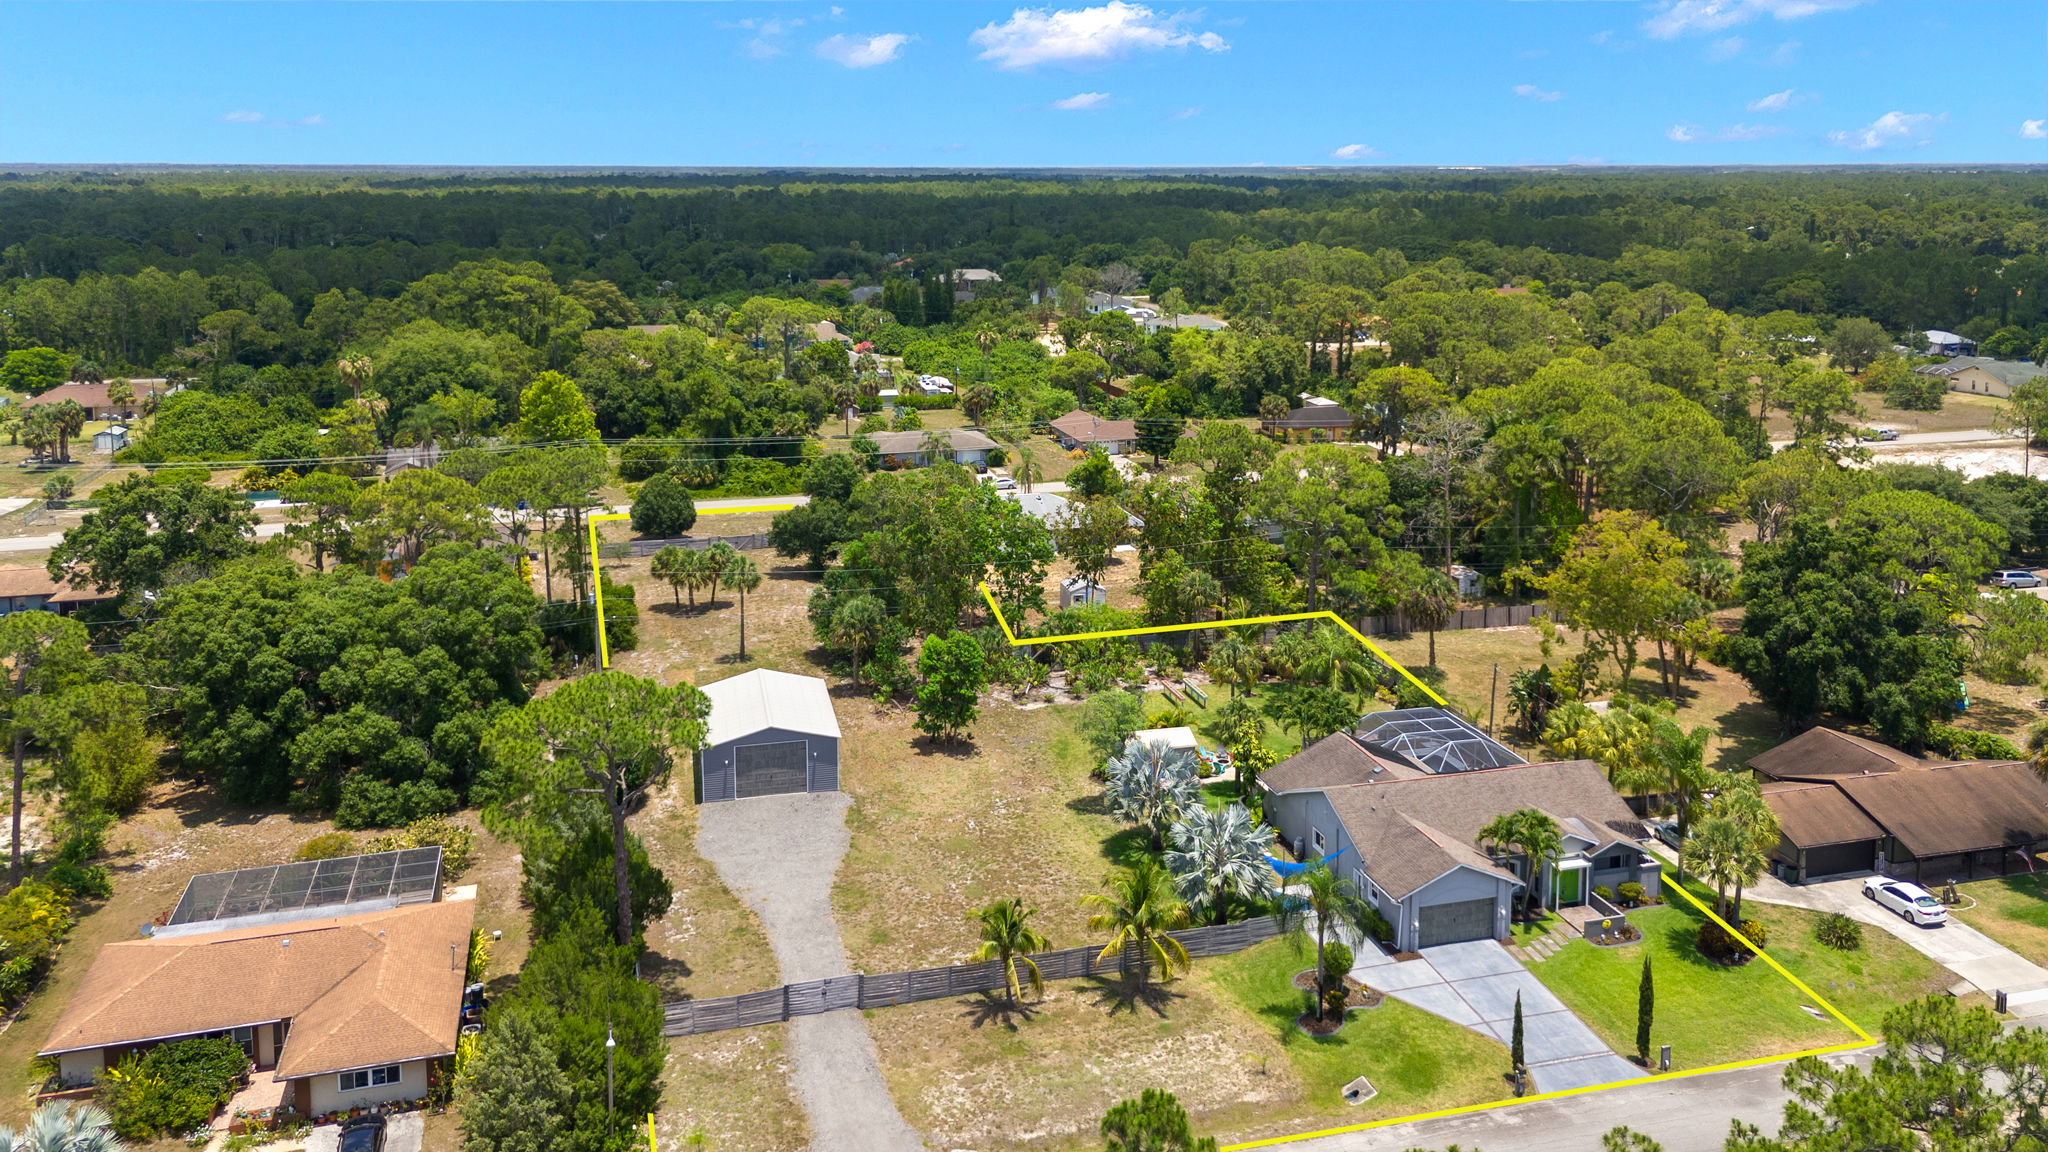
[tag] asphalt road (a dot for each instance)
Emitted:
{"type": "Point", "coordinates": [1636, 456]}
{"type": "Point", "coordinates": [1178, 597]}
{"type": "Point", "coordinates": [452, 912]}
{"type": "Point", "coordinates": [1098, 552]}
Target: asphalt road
{"type": "Point", "coordinates": [1927, 439]}
{"type": "Point", "coordinates": [1685, 1115]}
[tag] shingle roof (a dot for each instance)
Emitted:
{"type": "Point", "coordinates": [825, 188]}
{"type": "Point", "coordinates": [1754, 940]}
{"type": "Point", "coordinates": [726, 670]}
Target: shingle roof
{"type": "Point", "coordinates": [2007, 372]}
{"type": "Point", "coordinates": [375, 988]}
{"type": "Point", "coordinates": [912, 443]}
{"type": "Point", "coordinates": [1411, 831]}
{"type": "Point", "coordinates": [1948, 808]}
{"type": "Point", "coordinates": [1316, 416]}
{"type": "Point", "coordinates": [37, 582]}
{"type": "Point", "coordinates": [1813, 815]}
{"type": "Point", "coordinates": [1335, 761]}
{"type": "Point", "coordinates": [1823, 753]}
{"type": "Point", "coordinates": [1088, 428]}
{"type": "Point", "coordinates": [764, 698]}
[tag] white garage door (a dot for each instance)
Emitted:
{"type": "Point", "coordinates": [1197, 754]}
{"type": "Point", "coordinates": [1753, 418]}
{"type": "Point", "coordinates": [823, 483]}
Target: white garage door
{"type": "Point", "coordinates": [768, 769]}
{"type": "Point", "coordinates": [1462, 920]}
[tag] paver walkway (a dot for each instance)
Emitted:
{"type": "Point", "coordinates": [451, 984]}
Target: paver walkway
{"type": "Point", "coordinates": [779, 854]}
{"type": "Point", "coordinates": [1475, 984]}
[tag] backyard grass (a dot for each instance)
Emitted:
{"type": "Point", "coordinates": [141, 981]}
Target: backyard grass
{"type": "Point", "coordinates": [1959, 411]}
{"type": "Point", "coordinates": [1710, 1014]}
{"type": "Point", "coordinates": [2012, 910]}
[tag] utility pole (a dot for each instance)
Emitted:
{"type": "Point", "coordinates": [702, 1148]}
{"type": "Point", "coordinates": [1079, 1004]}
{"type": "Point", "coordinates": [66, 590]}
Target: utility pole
{"type": "Point", "coordinates": [1492, 694]}
{"type": "Point", "coordinates": [610, 1048]}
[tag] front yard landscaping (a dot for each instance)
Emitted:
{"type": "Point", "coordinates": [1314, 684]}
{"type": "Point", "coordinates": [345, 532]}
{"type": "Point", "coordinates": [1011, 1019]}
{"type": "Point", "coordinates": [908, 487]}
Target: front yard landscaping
{"type": "Point", "coordinates": [2012, 910]}
{"type": "Point", "coordinates": [1710, 1014]}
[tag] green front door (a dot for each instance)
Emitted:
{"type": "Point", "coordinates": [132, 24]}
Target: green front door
{"type": "Point", "coordinates": [1568, 884]}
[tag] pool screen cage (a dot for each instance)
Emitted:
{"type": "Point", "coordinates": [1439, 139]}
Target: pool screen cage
{"type": "Point", "coordinates": [1434, 740]}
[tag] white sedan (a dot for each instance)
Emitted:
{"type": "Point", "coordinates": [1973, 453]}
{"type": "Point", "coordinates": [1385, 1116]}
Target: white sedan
{"type": "Point", "coordinates": [1910, 901]}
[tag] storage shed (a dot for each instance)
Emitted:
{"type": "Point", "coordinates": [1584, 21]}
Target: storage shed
{"type": "Point", "coordinates": [770, 733]}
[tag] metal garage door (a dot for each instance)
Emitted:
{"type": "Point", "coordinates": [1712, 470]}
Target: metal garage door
{"type": "Point", "coordinates": [1837, 859]}
{"type": "Point", "coordinates": [1450, 923]}
{"type": "Point", "coordinates": [766, 769]}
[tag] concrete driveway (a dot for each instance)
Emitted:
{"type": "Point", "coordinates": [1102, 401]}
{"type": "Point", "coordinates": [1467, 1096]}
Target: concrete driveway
{"type": "Point", "coordinates": [402, 1133]}
{"type": "Point", "coordinates": [779, 854]}
{"type": "Point", "coordinates": [1475, 984]}
{"type": "Point", "coordinates": [1982, 962]}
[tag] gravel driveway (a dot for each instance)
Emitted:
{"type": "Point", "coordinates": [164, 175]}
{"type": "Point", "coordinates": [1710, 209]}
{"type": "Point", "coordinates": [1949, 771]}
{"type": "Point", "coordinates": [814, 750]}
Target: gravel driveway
{"type": "Point", "coordinates": [779, 854]}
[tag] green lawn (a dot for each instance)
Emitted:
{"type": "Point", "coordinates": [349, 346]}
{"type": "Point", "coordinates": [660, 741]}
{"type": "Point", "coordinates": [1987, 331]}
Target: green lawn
{"type": "Point", "coordinates": [2013, 911]}
{"type": "Point", "coordinates": [1418, 1061]}
{"type": "Point", "coordinates": [1283, 743]}
{"type": "Point", "coordinates": [1521, 933]}
{"type": "Point", "coordinates": [1710, 1014]}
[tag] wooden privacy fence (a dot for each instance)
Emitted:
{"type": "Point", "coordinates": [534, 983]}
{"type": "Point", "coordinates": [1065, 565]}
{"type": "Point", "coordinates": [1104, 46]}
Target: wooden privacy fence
{"type": "Point", "coordinates": [690, 1017]}
{"type": "Point", "coordinates": [1487, 616]}
{"type": "Point", "coordinates": [636, 548]}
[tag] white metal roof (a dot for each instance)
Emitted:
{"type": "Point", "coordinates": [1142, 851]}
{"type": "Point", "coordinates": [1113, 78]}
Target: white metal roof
{"type": "Point", "coordinates": [1180, 738]}
{"type": "Point", "coordinates": [765, 698]}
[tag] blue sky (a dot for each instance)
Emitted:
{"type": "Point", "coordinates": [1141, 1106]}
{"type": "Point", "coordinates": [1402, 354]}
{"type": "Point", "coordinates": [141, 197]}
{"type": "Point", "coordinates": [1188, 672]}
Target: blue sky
{"type": "Point", "coordinates": [969, 84]}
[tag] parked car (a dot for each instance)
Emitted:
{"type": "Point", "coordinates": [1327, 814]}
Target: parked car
{"type": "Point", "coordinates": [363, 1134]}
{"type": "Point", "coordinates": [1878, 434]}
{"type": "Point", "coordinates": [2015, 578]}
{"type": "Point", "coordinates": [473, 1004]}
{"type": "Point", "coordinates": [1665, 830]}
{"type": "Point", "coordinates": [1003, 483]}
{"type": "Point", "coordinates": [1912, 902]}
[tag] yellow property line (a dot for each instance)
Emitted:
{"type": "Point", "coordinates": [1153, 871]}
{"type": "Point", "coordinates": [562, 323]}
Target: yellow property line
{"type": "Point", "coordinates": [604, 646]}
{"type": "Point", "coordinates": [1863, 1038]}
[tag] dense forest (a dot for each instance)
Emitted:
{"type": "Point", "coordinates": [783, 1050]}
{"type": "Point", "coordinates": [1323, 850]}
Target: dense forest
{"type": "Point", "coordinates": [1581, 385]}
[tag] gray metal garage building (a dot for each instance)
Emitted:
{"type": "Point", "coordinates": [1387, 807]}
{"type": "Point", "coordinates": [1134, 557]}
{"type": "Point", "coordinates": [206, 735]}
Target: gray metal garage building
{"type": "Point", "coordinates": [770, 733]}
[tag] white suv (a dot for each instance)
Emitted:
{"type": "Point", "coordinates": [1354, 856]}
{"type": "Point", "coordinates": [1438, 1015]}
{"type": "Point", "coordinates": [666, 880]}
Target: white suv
{"type": "Point", "coordinates": [1910, 901]}
{"type": "Point", "coordinates": [2015, 578]}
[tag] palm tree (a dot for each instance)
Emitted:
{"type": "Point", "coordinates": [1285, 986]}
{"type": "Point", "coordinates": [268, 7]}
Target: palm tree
{"type": "Point", "coordinates": [68, 418]}
{"type": "Point", "coordinates": [1219, 853]}
{"type": "Point", "coordinates": [975, 402]}
{"type": "Point", "coordinates": [1430, 604]}
{"type": "Point", "coordinates": [718, 560]}
{"type": "Point", "coordinates": [1235, 662]}
{"type": "Point", "coordinates": [857, 623]}
{"type": "Point", "coordinates": [1333, 902]}
{"type": "Point", "coordinates": [1531, 835]}
{"type": "Point", "coordinates": [1007, 937]}
{"type": "Point", "coordinates": [985, 338]}
{"type": "Point", "coordinates": [355, 372]}
{"type": "Point", "coordinates": [56, 1128]}
{"type": "Point", "coordinates": [87, 372]}
{"type": "Point", "coordinates": [1151, 785]}
{"type": "Point", "coordinates": [1028, 470]}
{"type": "Point", "coordinates": [121, 395]}
{"type": "Point", "coordinates": [1139, 911]}
{"type": "Point", "coordinates": [936, 447]}
{"type": "Point", "coordinates": [1741, 803]}
{"type": "Point", "coordinates": [1713, 853]}
{"type": "Point", "coordinates": [743, 576]}
{"type": "Point", "coordinates": [671, 565]}
{"type": "Point", "coordinates": [1337, 660]}
{"type": "Point", "coordinates": [1678, 762]}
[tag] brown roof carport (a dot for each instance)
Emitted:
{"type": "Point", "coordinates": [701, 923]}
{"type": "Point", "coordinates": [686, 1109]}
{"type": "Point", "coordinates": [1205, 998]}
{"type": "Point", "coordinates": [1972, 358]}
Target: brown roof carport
{"type": "Point", "coordinates": [1825, 833]}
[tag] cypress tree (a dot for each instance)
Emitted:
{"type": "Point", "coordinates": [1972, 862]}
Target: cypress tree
{"type": "Point", "coordinates": [1646, 1005]}
{"type": "Point", "coordinates": [1515, 1049]}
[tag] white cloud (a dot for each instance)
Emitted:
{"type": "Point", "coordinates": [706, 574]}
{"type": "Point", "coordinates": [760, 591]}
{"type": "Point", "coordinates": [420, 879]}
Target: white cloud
{"type": "Point", "coordinates": [1354, 152]}
{"type": "Point", "coordinates": [1187, 113]}
{"type": "Point", "coordinates": [243, 116]}
{"type": "Point", "coordinates": [1785, 55]}
{"type": "Point", "coordinates": [1604, 36]}
{"type": "Point", "coordinates": [1532, 92]}
{"type": "Point", "coordinates": [1726, 49]}
{"type": "Point", "coordinates": [2034, 130]}
{"type": "Point", "coordinates": [862, 51]}
{"type": "Point", "coordinates": [1775, 102]}
{"type": "Point", "coordinates": [1081, 36]}
{"type": "Point", "coordinates": [1082, 102]}
{"type": "Point", "coordinates": [1888, 129]}
{"type": "Point", "coordinates": [1676, 18]}
{"type": "Point", "coordinates": [1732, 134]}
{"type": "Point", "coordinates": [313, 121]}
{"type": "Point", "coordinates": [767, 41]}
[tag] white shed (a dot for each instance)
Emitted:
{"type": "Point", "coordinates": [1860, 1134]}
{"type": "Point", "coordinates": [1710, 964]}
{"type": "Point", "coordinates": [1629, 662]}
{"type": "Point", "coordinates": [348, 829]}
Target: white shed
{"type": "Point", "coordinates": [770, 732]}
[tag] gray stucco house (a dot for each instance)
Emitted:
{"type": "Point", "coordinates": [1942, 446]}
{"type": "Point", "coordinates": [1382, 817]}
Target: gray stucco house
{"type": "Point", "coordinates": [1402, 818]}
{"type": "Point", "coordinates": [770, 733]}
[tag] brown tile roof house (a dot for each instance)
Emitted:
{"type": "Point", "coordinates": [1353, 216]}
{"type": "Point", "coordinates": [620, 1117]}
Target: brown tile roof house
{"type": "Point", "coordinates": [1846, 805]}
{"type": "Point", "coordinates": [29, 589]}
{"type": "Point", "coordinates": [93, 397]}
{"type": "Point", "coordinates": [1084, 427]}
{"type": "Point", "coordinates": [1823, 753]}
{"type": "Point", "coordinates": [964, 441]}
{"type": "Point", "coordinates": [369, 990]}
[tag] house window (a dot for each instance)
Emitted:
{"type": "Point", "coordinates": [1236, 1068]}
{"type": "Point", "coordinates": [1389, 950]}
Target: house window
{"type": "Point", "coordinates": [363, 1078]}
{"type": "Point", "coordinates": [1315, 836]}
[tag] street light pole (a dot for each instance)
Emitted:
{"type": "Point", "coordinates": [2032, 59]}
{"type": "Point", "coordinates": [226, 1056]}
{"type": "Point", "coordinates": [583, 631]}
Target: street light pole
{"type": "Point", "coordinates": [610, 1048]}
